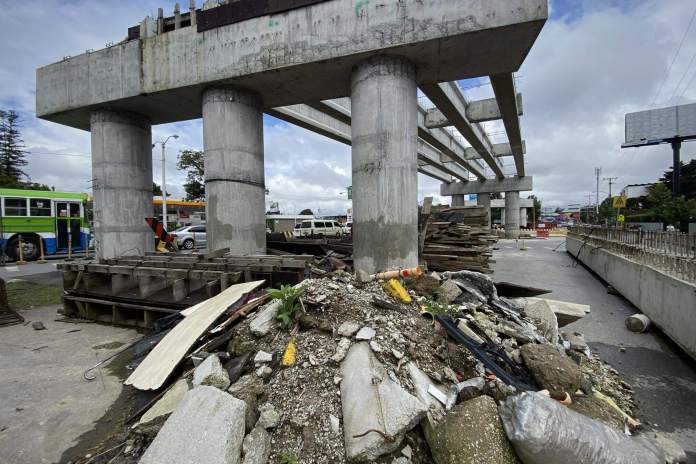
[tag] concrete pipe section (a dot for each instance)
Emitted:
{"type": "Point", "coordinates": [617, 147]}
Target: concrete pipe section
{"type": "Point", "coordinates": [122, 182]}
{"type": "Point", "coordinates": [385, 182]}
{"type": "Point", "coordinates": [234, 178]}
{"type": "Point", "coordinates": [512, 217]}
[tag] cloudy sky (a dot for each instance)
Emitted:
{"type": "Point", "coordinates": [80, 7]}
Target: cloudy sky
{"type": "Point", "coordinates": [593, 62]}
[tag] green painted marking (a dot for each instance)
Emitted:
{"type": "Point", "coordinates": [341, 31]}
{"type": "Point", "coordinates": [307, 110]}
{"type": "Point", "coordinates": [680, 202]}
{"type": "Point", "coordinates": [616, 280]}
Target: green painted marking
{"type": "Point", "coordinates": [360, 5]}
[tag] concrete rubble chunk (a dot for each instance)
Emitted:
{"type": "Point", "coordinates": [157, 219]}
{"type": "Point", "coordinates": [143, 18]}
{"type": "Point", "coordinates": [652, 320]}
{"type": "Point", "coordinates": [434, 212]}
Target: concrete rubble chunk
{"type": "Point", "coordinates": [674, 454]}
{"type": "Point", "coordinates": [210, 372]}
{"type": "Point", "coordinates": [370, 400]}
{"type": "Point", "coordinates": [38, 325]}
{"type": "Point", "coordinates": [341, 350]}
{"type": "Point", "coordinates": [348, 328]}
{"type": "Point", "coordinates": [366, 333]}
{"type": "Point", "coordinates": [448, 291]}
{"type": "Point", "coordinates": [248, 389]}
{"type": "Point", "coordinates": [262, 323]}
{"type": "Point", "coordinates": [544, 319]}
{"type": "Point", "coordinates": [551, 369]}
{"type": "Point", "coordinates": [167, 404]}
{"type": "Point", "coordinates": [471, 433]}
{"type": "Point", "coordinates": [268, 416]}
{"type": "Point", "coordinates": [566, 312]}
{"type": "Point", "coordinates": [335, 423]}
{"type": "Point", "coordinates": [263, 357]}
{"type": "Point", "coordinates": [256, 446]}
{"type": "Point", "coordinates": [208, 426]}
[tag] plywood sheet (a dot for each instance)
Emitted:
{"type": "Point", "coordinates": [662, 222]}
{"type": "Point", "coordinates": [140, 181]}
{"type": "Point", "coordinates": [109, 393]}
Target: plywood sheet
{"type": "Point", "coordinates": [163, 359]}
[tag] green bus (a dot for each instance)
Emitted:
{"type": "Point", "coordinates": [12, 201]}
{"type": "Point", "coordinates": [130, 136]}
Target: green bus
{"type": "Point", "coordinates": [58, 219]}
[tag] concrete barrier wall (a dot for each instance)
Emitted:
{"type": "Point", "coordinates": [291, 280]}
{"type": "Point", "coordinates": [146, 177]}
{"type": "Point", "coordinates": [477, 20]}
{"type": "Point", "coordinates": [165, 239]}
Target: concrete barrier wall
{"type": "Point", "coordinates": [668, 301]}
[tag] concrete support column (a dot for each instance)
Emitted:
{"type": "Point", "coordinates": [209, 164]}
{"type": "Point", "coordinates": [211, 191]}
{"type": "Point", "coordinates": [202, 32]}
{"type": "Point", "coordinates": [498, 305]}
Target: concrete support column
{"type": "Point", "coordinates": [384, 164]}
{"type": "Point", "coordinates": [512, 215]}
{"type": "Point", "coordinates": [458, 200]}
{"type": "Point", "coordinates": [122, 182]}
{"type": "Point", "coordinates": [234, 178]}
{"type": "Point", "coordinates": [523, 217]}
{"type": "Point", "coordinates": [484, 199]}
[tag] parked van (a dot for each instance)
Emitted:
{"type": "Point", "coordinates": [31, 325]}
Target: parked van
{"type": "Point", "coordinates": [318, 228]}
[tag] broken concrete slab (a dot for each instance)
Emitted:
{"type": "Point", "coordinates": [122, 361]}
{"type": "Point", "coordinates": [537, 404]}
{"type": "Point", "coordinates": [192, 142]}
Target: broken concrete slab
{"type": "Point", "coordinates": [448, 292]}
{"type": "Point", "coordinates": [422, 384]}
{"type": "Point", "coordinates": [268, 416]}
{"type": "Point", "coordinates": [366, 333]}
{"type": "Point", "coordinates": [262, 323]}
{"type": "Point", "coordinates": [208, 426]}
{"type": "Point", "coordinates": [263, 357]}
{"type": "Point", "coordinates": [566, 312]}
{"type": "Point", "coordinates": [341, 350]}
{"type": "Point", "coordinates": [551, 369]}
{"type": "Point", "coordinates": [256, 446]}
{"type": "Point", "coordinates": [471, 433]}
{"type": "Point", "coordinates": [544, 319]}
{"type": "Point", "coordinates": [210, 372]}
{"type": "Point", "coordinates": [674, 454]}
{"type": "Point", "coordinates": [371, 400]}
{"type": "Point", "coordinates": [167, 404]}
{"type": "Point", "coordinates": [593, 407]}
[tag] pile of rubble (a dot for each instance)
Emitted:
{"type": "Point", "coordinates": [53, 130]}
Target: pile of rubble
{"type": "Point", "coordinates": [365, 372]}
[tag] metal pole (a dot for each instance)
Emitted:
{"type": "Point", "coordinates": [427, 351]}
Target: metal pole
{"type": "Point", "coordinates": [597, 171]}
{"type": "Point", "coordinates": [164, 189]}
{"type": "Point", "coordinates": [676, 147]}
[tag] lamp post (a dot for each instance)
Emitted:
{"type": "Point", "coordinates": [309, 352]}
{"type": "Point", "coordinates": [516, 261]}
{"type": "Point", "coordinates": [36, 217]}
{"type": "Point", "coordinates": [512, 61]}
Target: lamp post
{"type": "Point", "coordinates": [164, 178]}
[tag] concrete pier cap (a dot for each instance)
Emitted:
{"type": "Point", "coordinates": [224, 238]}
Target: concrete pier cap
{"type": "Point", "coordinates": [234, 175]}
{"type": "Point", "coordinates": [122, 183]}
{"type": "Point", "coordinates": [384, 164]}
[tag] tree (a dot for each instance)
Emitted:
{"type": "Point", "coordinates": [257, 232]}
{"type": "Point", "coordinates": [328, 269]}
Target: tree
{"type": "Point", "coordinates": [10, 182]}
{"type": "Point", "coordinates": [157, 190]}
{"type": "Point", "coordinates": [537, 207]}
{"type": "Point", "coordinates": [12, 149]}
{"type": "Point", "coordinates": [668, 208]}
{"type": "Point", "coordinates": [687, 179]}
{"type": "Point", "coordinates": [192, 162]}
{"type": "Point", "coordinates": [306, 212]}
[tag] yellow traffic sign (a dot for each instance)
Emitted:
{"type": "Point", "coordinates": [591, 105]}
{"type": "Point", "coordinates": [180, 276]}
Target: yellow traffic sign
{"type": "Point", "coordinates": [620, 218]}
{"type": "Point", "coordinates": [618, 202]}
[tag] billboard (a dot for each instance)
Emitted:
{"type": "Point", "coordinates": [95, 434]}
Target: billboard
{"type": "Point", "coordinates": [660, 125]}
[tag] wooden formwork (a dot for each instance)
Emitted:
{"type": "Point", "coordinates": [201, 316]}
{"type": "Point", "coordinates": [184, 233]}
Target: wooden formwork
{"type": "Point", "coordinates": [138, 290]}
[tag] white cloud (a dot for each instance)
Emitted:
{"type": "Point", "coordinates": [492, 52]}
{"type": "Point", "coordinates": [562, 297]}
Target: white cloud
{"type": "Point", "coordinates": [586, 70]}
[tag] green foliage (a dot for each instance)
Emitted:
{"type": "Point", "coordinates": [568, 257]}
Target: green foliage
{"type": "Point", "coordinates": [10, 182]}
{"type": "Point", "coordinates": [192, 162]}
{"type": "Point", "coordinates": [12, 149]}
{"type": "Point", "coordinates": [537, 207]}
{"type": "Point", "coordinates": [288, 296]}
{"type": "Point", "coordinates": [288, 457]}
{"type": "Point", "coordinates": [306, 212]}
{"type": "Point", "coordinates": [441, 309]}
{"type": "Point", "coordinates": [687, 179]}
{"type": "Point", "coordinates": [668, 208]}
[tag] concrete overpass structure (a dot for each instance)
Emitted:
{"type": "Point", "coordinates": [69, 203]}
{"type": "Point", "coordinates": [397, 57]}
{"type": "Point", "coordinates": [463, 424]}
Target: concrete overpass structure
{"type": "Point", "coordinates": [231, 63]}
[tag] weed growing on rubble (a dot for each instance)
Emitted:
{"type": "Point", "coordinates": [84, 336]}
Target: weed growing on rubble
{"type": "Point", "coordinates": [288, 296]}
{"type": "Point", "coordinates": [440, 309]}
{"type": "Point", "coordinates": [287, 457]}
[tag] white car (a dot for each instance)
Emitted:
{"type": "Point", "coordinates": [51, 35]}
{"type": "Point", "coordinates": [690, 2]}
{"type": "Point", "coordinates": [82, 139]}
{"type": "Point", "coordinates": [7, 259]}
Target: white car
{"type": "Point", "coordinates": [318, 228]}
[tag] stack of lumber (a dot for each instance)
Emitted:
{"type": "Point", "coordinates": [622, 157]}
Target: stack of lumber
{"type": "Point", "coordinates": [457, 239]}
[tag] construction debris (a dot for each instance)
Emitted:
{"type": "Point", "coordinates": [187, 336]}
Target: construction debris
{"type": "Point", "coordinates": [349, 379]}
{"type": "Point", "coordinates": [638, 323]}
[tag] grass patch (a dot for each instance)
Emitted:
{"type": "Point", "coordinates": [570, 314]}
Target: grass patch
{"type": "Point", "coordinates": [27, 295]}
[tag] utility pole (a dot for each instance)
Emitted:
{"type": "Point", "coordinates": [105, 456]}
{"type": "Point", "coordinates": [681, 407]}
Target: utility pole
{"type": "Point", "coordinates": [164, 179]}
{"type": "Point", "coordinates": [612, 181]}
{"type": "Point", "coordinates": [598, 172]}
{"type": "Point", "coordinates": [589, 206]}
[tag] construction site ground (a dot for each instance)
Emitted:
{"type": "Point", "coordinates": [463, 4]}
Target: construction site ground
{"type": "Point", "coordinates": [49, 412]}
{"type": "Point", "coordinates": [663, 378]}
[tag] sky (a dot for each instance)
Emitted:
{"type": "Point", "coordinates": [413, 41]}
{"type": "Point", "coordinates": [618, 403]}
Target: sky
{"type": "Point", "coordinates": [593, 62]}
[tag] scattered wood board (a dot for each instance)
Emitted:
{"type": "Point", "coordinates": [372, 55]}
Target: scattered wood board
{"type": "Point", "coordinates": [166, 356]}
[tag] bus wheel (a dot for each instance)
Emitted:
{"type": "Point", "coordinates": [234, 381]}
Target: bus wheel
{"type": "Point", "coordinates": [30, 248]}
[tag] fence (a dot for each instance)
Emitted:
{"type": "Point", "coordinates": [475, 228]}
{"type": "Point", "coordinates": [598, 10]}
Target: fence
{"type": "Point", "coordinates": [673, 252]}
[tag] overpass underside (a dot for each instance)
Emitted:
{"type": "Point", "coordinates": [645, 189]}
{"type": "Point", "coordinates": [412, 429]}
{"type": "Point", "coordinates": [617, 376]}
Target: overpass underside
{"type": "Point", "coordinates": [349, 71]}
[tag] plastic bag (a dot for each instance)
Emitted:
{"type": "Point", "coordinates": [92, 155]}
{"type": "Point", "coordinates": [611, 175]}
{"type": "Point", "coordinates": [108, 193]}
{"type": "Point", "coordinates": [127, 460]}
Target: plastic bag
{"type": "Point", "coordinates": [544, 431]}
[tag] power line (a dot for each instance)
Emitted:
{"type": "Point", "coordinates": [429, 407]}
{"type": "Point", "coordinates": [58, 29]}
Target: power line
{"type": "Point", "coordinates": [688, 86]}
{"type": "Point", "coordinates": [669, 69]}
{"type": "Point", "coordinates": [688, 68]}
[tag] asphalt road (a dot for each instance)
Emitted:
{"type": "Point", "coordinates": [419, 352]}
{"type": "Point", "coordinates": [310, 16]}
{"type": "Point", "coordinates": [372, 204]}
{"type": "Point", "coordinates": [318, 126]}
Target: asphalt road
{"type": "Point", "coordinates": [663, 377]}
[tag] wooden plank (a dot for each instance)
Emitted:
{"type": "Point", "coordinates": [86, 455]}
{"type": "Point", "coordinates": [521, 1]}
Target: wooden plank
{"type": "Point", "coordinates": [166, 356]}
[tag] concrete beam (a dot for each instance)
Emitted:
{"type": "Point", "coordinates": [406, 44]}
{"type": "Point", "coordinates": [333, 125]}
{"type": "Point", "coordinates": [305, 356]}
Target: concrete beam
{"type": "Point", "coordinates": [292, 59]}
{"type": "Point", "coordinates": [338, 108]}
{"type": "Point", "coordinates": [504, 89]}
{"type": "Point", "coordinates": [476, 111]}
{"type": "Point", "coordinates": [449, 98]}
{"type": "Point", "coordinates": [314, 120]}
{"type": "Point", "coordinates": [499, 150]}
{"type": "Point", "coordinates": [524, 203]}
{"type": "Point", "coordinates": [435, 173]}
{"type": "Point", "coordinates": [508, 184]}
{"type": "Point", "coordinates": [433, 157]}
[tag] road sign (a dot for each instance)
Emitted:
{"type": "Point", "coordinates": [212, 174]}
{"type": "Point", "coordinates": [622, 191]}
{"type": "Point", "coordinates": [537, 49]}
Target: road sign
{"type": "Point", "coordinates": [620, 218]}
{"type": "Point", "coordinates": [619, 202]}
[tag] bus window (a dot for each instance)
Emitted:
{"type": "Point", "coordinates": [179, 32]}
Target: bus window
{"type": "Point", "coordinates": [75, 210]}
{"type": "Point", "coordinates": [15, 206]}
{"type": "Point", "coordinates": [39, 207]}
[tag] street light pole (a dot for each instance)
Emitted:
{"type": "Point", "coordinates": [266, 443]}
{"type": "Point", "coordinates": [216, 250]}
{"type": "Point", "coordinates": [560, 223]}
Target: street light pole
{"type": "Point", "coordinates": [164, 178]}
